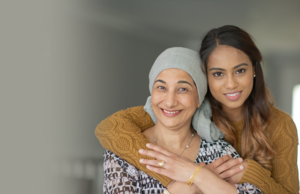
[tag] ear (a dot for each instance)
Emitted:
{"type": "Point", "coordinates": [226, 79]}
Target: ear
{"type": "Point", "coordinates": [253, 66]}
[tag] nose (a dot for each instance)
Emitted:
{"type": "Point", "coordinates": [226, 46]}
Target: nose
{"type": "Point", "coordinates": [231, 82]}
{"type": "Point", "coordinates": [170, 99]}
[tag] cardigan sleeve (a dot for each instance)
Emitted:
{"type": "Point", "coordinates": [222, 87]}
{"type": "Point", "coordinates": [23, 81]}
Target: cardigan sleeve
{"type": "Point", "coordinates": [121, 133]}
{"type": "Point", "coordinates": [284, 176]}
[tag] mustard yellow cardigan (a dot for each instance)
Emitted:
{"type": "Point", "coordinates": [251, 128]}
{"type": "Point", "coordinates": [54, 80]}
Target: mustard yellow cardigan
{"type": "Point", "coordinates": [121, 134]}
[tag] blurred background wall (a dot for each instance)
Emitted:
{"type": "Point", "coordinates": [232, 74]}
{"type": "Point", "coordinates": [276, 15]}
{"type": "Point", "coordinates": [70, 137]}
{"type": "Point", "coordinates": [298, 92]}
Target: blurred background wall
{"type": "Point", "coordinates": [92, 58]}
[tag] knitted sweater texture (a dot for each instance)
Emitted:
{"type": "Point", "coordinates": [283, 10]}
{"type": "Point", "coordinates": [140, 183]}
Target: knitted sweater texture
{"type": "Point", "coordinates": [121, 134]}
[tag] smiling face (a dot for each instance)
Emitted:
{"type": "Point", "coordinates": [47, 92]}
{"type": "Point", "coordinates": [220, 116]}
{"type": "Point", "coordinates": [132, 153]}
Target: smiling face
{"type": "Point", "coordinates": [230, 77]}
{"type": "Point", "coordinates": [174, 98]}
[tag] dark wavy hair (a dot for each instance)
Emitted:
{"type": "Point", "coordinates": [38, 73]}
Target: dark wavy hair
{"type": "Point", "coordinates": [255, 143]}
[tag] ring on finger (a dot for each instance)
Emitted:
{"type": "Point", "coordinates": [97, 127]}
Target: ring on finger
{"type": "Point", "coordinates": [161, 164]}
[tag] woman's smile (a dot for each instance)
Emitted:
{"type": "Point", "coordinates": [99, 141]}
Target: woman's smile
{"type": "Point", "coordinates": [233, 95]}
{"type": "Point", "coordinates": [170, 113]}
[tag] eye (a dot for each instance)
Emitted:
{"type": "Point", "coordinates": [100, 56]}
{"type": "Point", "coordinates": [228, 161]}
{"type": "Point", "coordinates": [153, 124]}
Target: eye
{"type": "Point", "coordinates": [241, 71]}
{"type": "Point", "coordinates": [183, 89]}
{"type": "Point", "coordinates": [161, 88]}
{"type": "Point", "coordinates": [217, 74]}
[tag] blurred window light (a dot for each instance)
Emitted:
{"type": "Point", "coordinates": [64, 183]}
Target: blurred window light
{"type": "Point", "coordinates": [296, 114]}
{"type": "Point", "coordinates": [296, 106]}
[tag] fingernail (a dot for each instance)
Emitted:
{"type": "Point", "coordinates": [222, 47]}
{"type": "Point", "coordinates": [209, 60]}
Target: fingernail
{"type": "Point", "coordinates": [241, 167]}
{"type": "Point", "coordinates": [148, 166]}
{"type": "Point", "coordinates": [241, 159]}
{"type": "Point", "coordinates": [141, 160]}
{"type": "Point", "coordinates": [148, 144]}
{"type": "Point", "coordinates": [141, 150]}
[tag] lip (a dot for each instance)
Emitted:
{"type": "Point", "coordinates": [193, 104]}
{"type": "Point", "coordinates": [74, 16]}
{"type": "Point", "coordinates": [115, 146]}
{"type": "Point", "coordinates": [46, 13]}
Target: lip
{"type": "Point", "coordinates": [170, 112]}
{"type": "Point", "coordinates": [233, 96]}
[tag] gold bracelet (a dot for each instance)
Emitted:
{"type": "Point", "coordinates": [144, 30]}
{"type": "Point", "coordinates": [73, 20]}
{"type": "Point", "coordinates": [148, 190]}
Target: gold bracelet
{"type": "Point", "coordinates": [166, 192]}
{"type": "Point", "coordinates": [191, 180]}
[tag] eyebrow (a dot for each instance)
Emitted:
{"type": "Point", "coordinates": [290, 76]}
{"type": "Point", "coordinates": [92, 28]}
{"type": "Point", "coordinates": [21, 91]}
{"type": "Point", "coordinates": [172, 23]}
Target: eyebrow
{"type": "Point", "coordinates": [235, 67]}
{"type": "Point", "coordinates": [159, 80]}
{"type": "Point", "coordinates": [184, 82]}
{"type": "Point", "coordinates": [179, 82]}
{"type": "Point", "coordinates": [242, 64]}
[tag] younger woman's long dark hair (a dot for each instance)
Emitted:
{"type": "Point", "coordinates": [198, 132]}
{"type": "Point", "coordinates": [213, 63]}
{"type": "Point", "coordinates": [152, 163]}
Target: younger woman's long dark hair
{"type": "Point", "coordinates": [256, 143]}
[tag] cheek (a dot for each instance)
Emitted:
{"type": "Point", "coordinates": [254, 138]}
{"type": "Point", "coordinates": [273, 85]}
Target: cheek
{"type": "Point", "coordinates": [155, 98]}
{"type": "Point", "coordinates": [247, 82]}
{"type": "Point", "coordinates": [190, 101]}
{"type": "Point", "coordinates": [214, 85]}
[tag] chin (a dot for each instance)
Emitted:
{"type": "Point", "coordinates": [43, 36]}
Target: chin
{"type": "Point", "coordinates": [234, 104]}
{"type": "Point", "coordinates": [173, 122]}
{"type": "Point", "coordinates": [169, 124]}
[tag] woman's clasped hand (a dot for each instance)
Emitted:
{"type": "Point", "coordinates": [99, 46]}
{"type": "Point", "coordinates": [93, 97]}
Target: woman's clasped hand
{"type": "Point", "coordinates": [181, 169]}
{"type": "Point", "coordinates": [176, 167]}
{"type": "Point", "coordinates": [228, 168]}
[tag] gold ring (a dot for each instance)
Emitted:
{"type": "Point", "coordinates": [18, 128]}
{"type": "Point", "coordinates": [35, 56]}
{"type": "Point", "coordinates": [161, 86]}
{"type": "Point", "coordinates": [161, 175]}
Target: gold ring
{"type": "Point", "coordinates": [161, 164]}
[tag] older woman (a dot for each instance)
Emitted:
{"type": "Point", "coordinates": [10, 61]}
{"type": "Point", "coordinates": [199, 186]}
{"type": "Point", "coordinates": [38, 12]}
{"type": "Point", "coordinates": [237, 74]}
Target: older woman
{"type": "Point", "coordinates": [178, 87]}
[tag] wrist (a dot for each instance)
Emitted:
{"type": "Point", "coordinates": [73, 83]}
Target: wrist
{"type": "Point", "coordinates": [199, 178]}
{"type": "Point", "coordinates": [207, 181]}
{"type": "Point", "coordinates": [194, 175]}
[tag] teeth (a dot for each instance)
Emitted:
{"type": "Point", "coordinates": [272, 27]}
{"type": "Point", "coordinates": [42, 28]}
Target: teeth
{"type": "Point", "coordinates": [233, 94]}
{"type": "Point", "coordinates": [170, 112]}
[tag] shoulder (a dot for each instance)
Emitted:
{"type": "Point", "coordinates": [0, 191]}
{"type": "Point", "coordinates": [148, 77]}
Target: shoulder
{"type": "Point", "coordinates": [281, 120]}
{"type": "Point", "coordinates": [137, 110]}
{"type": "Point", "coordinates": [131, 110]}
{"type": "Point", "coordinates": [278, 115]}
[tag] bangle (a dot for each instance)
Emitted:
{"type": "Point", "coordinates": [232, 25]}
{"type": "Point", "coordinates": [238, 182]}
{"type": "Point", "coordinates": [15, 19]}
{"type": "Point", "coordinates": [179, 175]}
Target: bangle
{"type": "Point", "coordinates": [166, 192]}
{"type": "Point", "coordinates": [191, 180]}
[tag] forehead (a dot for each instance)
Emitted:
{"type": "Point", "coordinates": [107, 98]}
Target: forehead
{"type": "Point", "coordinates": [174, 73]}
{"type": "Point", "coordinates": [227, 56]}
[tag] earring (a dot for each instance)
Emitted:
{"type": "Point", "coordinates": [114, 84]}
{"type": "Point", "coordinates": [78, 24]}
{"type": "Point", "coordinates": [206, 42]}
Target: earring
{"type": "Point", "coordinates": [254, 75]}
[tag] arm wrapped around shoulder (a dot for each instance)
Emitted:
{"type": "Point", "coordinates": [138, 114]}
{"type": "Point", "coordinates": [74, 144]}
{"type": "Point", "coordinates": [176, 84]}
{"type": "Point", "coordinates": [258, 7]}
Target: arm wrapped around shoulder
{"type": "Point", "coordinates": [121, 133]}
{"type": "Point", "coordinates": [118, 132]}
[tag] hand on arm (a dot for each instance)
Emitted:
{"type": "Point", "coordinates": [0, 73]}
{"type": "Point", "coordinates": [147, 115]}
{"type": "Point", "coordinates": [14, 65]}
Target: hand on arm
{"type": "Point", "coordinates": [228, 168]}
{"type": "Point", "coordinates": [180, 169]}
{"type": "Point", "coordinates": [236, 178]}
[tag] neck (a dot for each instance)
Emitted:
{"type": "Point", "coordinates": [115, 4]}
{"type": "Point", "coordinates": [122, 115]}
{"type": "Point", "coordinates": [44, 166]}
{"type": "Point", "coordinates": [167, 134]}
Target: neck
{"type": "Point", "coordinates": [172, 140]}
{"type": "Point", "coordinates": [234, 114]}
